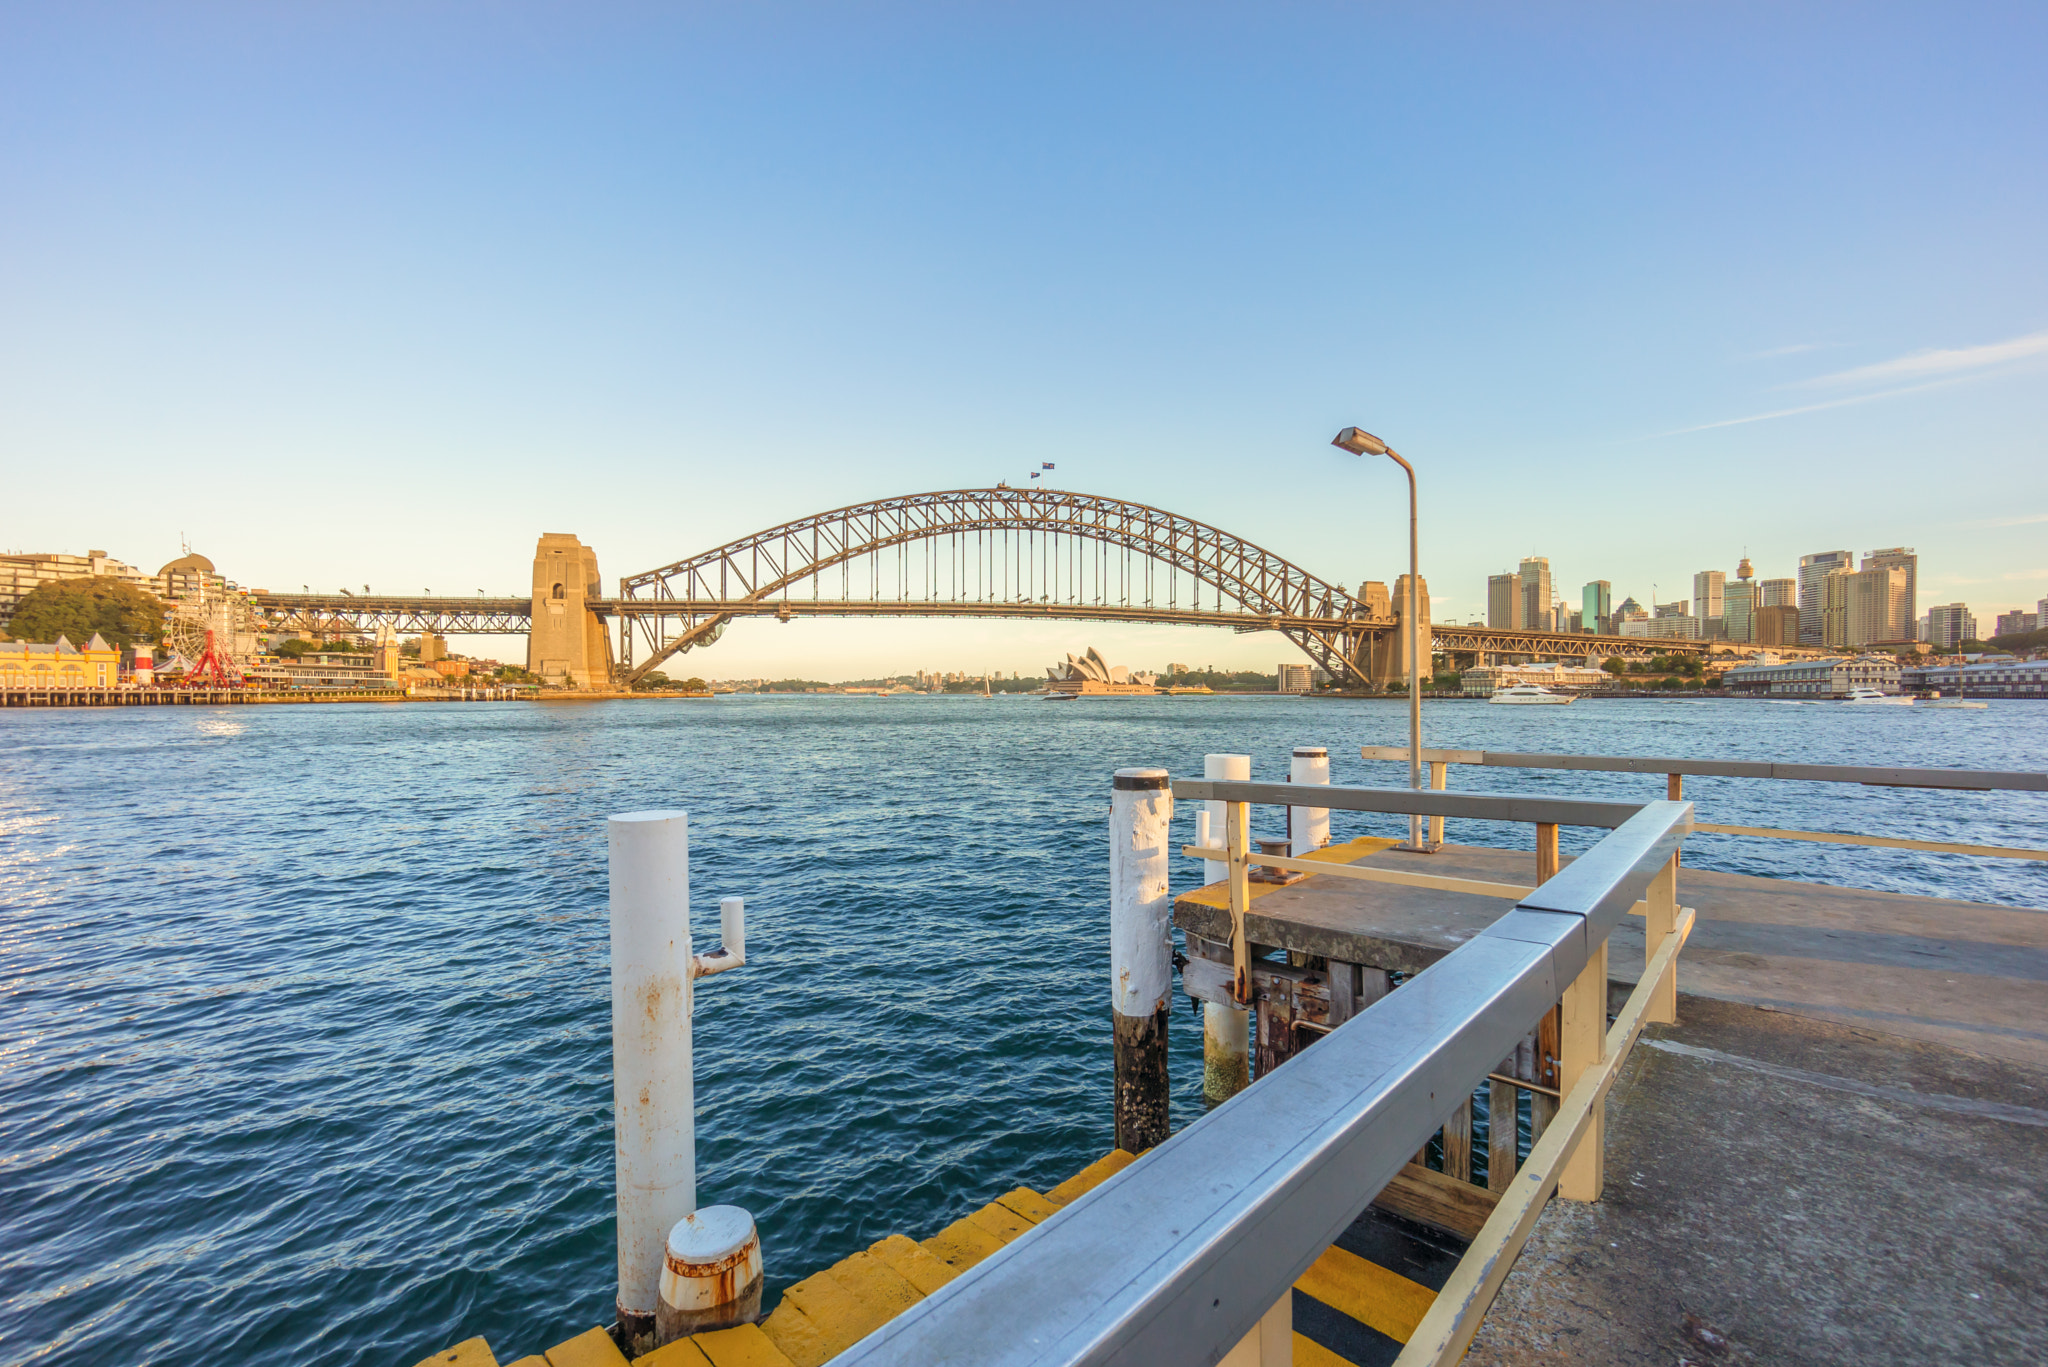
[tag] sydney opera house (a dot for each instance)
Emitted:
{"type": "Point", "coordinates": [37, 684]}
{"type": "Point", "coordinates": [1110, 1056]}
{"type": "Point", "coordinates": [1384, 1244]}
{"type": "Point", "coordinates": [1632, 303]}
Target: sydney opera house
{"type": "Point", "coordinates": [1090, 674]}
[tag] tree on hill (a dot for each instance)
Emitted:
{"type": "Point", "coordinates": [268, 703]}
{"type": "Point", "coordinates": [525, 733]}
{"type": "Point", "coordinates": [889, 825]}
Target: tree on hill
{"type": "Point", "coordinates": [2021, 642]}
{"type": "Point", "coordinates": [76, 608]}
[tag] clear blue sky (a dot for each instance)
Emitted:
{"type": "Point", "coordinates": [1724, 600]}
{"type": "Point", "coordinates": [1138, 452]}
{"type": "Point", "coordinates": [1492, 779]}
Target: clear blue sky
{"type": "Point", "coordinates": [377, 293]}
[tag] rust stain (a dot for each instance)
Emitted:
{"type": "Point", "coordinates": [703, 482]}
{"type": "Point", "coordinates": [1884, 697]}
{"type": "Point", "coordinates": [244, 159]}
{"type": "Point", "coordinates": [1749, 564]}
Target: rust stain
{"type": "Point", "coordinates": [654, 1001]}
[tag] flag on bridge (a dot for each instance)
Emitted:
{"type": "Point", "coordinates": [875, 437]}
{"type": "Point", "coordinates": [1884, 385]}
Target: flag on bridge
{"type": "Point", "coordinates": [1046, 466]}
{"type": "Point", "coordinates": [1034, 474]}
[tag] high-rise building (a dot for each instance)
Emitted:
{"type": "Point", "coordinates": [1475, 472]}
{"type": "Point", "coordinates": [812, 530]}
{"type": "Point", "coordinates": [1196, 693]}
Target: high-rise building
{"type": "Point", "coordinates": [1504, 602]}
{"type": "Point", "coordinates": [1740, 617]}
{"type": "Point", "coordinates": [1862, 606]}
{"type": "Point", "coordinates": [1900, 557]}
{"type": "Point", "coordinates": [1776, 625]}
{"type": "Point", "coordinates": [1709, 590]}
{"type": "Point", "coordinates": [1294, 678]}
{"type": "Point", "coordinates": [1778, 593]}
{"type": "Point", "coordinates": [1536, 594]}
{"type": "Point", "coordinates": [1949, 625]}
{"type": "Point", "coordinates": [1596, 601]}
{"type": "Point", "coordinates": [2015, 623]}
{"type": "Point", "coordinates": [1813, 572]}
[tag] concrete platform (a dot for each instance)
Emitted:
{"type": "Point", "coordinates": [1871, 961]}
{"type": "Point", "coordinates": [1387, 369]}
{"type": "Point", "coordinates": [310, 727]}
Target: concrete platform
{"type": "Point", "coordinates": [1789, 1190]}
{"type": "Point", "coordinates": [1964, 974]}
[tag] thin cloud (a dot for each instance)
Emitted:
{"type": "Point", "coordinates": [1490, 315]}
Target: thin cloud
{"type": "Point", "coordinates": [1939, 362]}
{"type": "Point", "coordinates": [1815, 407]}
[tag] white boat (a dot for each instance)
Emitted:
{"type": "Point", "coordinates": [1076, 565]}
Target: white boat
{"type": "Point", "coordinates": [1960, 702]}
{"type": "Point", "coordinates": [1529, 695]}
{"type": "Point", "coordinates": [1871, 695]}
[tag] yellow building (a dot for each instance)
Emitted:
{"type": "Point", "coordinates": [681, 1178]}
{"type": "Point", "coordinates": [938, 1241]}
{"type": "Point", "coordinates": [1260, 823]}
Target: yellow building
{"type": "Point", "coordinates": [29, 664]}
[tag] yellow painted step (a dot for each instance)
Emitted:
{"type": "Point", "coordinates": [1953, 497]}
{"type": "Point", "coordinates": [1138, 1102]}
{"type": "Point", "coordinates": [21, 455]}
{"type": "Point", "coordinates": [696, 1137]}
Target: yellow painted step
{"type": "Point", "coordinates": [591, 1348]}
{"type": "Point", "coordinates": [745, 1346]}
{"type": "Point", "coordinates": [794, 1336]}
{"type": "Point", "coordinates": [681, 1353]}
{"type": "Point", "coordinates": [1029, 1204]}
{"type": "Point", "coordinates": [1000, 1220]}
{"type": "Point", "coordinates": [468, 1353]}
{"type": "Point", "coordinates": [909, 1260]}
{"type": "Point", "coordinates": [962, 1244]}
{"type": "Point", "coordinates": [1369, 1293]}
{"type": "Point", "coordinates": [1091, 1177]}
{"type": "Point", "coordinates": [1309, 1353]}
{"type": "Point", "coordinates": [531, 1360]}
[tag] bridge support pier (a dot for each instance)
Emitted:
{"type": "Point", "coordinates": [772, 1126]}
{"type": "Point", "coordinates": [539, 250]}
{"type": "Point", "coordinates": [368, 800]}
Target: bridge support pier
{"type": "Point", "coordinates": [568, 643]}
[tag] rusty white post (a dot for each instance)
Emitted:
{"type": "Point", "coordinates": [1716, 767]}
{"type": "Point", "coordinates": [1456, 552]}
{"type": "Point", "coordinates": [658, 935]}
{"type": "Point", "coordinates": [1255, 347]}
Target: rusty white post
{"type": "Point", "coordinates": [1226, 1030]}
{"type": "Point", "coordinates": [1308, 827]}
{"type": "Point", "coordinates": [1140, 953]}
{"type": "Point", "coordinates": [653, 1116]}
{"type": "Point", "coordinates": [711, 1275]}
{"type": "Point", "coordinates": [653, 1093]}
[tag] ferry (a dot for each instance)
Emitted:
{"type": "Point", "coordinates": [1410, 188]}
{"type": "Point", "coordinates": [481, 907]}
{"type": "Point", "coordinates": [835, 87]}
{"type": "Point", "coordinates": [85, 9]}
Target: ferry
{"type": "Point", "coordinates": [1871, 695]}
{"type": "Point", "coordinates": [1529, 695]}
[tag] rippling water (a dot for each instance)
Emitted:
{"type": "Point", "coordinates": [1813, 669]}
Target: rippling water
{"type": "Point", "coordinates": [306, 1011]}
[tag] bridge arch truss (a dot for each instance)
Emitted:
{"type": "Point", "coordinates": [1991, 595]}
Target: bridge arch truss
{"type": "Point", "coordinates": [1025, 552]}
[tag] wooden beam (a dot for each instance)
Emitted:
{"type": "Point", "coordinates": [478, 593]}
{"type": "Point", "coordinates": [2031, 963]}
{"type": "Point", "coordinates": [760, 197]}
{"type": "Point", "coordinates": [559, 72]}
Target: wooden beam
{"type": "Point", "coordinates": [1236, 844]}
{"type": "Point", "coordinates": [1510, 891]}
{"type": "Point", "coordinates": [1583, 1038]}
{"type": "Point", "coordinates": [1661, 921]}
{"type": "Point", "coordinates": [1879, 841]}
{"type": "Point", "coordinates": [1431, 1198]}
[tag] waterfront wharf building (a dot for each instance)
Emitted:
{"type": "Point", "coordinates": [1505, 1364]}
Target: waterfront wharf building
{"type": "Point", "coordinates": [1813, 572]}
{"type": "Point", "coordinates": [1984, 679]}
{"type": "Point", "coordinates": [1486, 680]}
{"type": "Point", "coordinates": [1829, 678]}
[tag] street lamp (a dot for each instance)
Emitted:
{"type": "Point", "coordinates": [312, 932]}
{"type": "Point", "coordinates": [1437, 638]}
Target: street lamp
{"type": "Point", "coordinates": [1360, 442]}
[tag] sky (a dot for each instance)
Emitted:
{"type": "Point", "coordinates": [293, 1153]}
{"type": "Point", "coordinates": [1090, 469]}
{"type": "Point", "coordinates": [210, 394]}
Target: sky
{"type": "Point", "coordinates": [378, 293]}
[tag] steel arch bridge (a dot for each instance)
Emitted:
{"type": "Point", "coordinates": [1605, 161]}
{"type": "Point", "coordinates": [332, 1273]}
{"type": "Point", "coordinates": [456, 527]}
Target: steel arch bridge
{"type": "Point", "coordinates": [998, 552]}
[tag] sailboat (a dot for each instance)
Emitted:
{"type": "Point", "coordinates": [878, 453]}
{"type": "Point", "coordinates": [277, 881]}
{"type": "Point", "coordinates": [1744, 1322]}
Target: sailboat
{"type": "Point", "coordinates": [984, 688]}
{"type": "Point", "coordinates": [1961, 700]}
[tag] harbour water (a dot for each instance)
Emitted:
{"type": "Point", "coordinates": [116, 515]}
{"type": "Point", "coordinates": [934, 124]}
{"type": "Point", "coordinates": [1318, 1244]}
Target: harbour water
{"type": "Point", "coordinates": [306, 1010]}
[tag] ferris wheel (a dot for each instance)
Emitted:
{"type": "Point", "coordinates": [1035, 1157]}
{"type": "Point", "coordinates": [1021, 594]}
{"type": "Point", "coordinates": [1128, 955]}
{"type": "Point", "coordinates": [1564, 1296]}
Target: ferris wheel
{"type": "Point", "coordinates": [203, 628]}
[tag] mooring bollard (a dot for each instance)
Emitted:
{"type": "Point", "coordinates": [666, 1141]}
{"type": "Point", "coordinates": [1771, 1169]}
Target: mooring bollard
{"type": "Point", "coordinates": [1226, 1030]}
{"type": "Point", "coordinates": [1308, 828]}
{"type": "Point", "coordinates": [653, 1095]}
{"type": "Point", "coordinates": [1140, 953]}
{"type": "Point", "coordinates": [710, 1275]}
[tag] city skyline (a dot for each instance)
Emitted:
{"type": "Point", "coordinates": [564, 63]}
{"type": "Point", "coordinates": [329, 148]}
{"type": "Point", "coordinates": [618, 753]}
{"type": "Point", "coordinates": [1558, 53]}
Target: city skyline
{"type": "Point", "coordinates": [382, 296]}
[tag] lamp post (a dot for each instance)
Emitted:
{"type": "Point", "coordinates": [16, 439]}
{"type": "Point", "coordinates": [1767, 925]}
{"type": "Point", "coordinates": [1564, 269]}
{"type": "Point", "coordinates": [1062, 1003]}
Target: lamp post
{"type": "Point", "coordinates": [1360, 442]}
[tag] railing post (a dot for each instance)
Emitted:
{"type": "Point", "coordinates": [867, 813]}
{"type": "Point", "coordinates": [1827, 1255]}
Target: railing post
{"type": "Point", "coordinates": [1547, 857]}
{"type": "Point", "coordinates": [1141, 953]}
{"type": "Point", "coordinates": [1271, 1341]}
{"type": "Point", "coordinates": [1660, 921]}
{"type": "Point", "coordinates": [1439, 778]}
{"type": "Point", "coordinates": [1237, 839]}
{"type": "Point", "coordinates": [1226, 1030]}
{"type": "Point", "coordinates": [1583, 1045]}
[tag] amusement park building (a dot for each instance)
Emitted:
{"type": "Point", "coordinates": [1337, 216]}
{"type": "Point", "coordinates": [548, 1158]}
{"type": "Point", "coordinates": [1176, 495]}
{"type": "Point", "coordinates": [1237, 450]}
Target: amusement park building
{"type": "Point", "coordinates": [30, 664]}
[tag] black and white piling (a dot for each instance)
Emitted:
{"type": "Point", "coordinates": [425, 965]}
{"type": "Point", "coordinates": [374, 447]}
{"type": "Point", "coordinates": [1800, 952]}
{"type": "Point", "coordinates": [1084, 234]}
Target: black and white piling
{"type": "Point", "coordinates": [1141, 953]}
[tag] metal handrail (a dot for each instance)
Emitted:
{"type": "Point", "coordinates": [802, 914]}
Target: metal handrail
{"type": "Point", "coordinates": [1422, 801]}
{"type": "Point", "coordinates": [1177, 1257]}
{"type": "Point", "coordinates": [1876, 776]}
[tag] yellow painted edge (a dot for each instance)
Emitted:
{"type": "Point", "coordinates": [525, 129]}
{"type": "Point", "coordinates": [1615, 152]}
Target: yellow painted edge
{"type": "Point", "coordinates": [1309, 1353]}
{"type": "Point", "coordinates": [1371, 1294]}
{"type": "Point", "coordinates": [1350, 852]}
{"type": "Point", "coordinates": [744, 1346]}
{"type": "Point", "coordinates": [874, 1283]}
{"type": "Point", "coordinates": [531, 1360]}
{"type": "Point", "coordinates": [840, 1316]}
{"type": "Point", "coordinates": [591, 1348]}
{"type": "Point", "coordinates": [1091, 1177]}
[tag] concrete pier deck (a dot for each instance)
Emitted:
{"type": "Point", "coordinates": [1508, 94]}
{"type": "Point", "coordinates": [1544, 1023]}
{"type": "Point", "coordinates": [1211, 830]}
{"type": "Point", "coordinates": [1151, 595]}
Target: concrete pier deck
{"type": "Point", "coordinates": [1964, 974]}
{"type": "Point", "coordinates": [1786, 1189]}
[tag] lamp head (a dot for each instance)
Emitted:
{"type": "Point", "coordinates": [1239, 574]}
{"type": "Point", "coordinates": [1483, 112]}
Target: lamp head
{"type": "Point", "coordinates": [1360, 442]}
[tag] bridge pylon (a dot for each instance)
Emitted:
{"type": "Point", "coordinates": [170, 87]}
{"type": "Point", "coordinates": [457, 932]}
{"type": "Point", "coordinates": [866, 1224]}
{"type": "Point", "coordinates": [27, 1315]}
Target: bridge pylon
{"type": "Point", "coordinates": [567, 644]}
